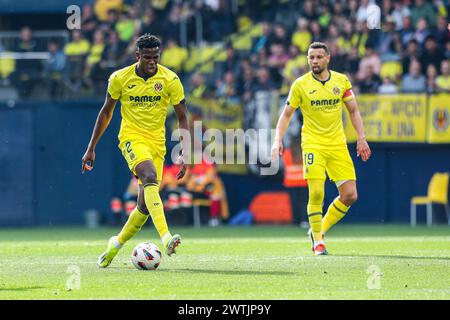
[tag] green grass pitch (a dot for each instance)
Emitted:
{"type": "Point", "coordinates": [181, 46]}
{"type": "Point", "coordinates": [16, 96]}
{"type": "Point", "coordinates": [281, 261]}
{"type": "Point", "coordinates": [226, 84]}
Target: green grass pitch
{"type": "Point", "coordinates": [264, 262]}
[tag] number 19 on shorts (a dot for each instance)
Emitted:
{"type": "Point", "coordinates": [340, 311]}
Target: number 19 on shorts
{"type": "Point", "coordinates": [309, 158]}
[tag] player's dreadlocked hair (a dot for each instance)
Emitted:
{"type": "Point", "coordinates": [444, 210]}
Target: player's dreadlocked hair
{"type": "Point", "coordinates": [147, 41]}
{"type": "Point", "coordinates": [319, 45]}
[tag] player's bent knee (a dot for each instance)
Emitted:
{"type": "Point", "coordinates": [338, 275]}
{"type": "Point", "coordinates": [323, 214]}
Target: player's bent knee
{"type": "Point", "coordinates": [349, 198]}
{"type": "Point", "coordinates": [149, 178]}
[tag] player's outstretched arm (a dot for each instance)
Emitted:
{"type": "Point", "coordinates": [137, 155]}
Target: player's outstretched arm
{"type": "Point", "coordinates": [103, 120]}
{"type": "Point", "coordinates": [282, 125]}
{"type": "Point", "coordinates": [182, 116]}
{"type": "Point", "coordinates": [362, 147]}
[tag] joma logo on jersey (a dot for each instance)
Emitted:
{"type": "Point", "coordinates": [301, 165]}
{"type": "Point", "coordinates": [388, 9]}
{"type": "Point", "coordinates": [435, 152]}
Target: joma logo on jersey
{"type": "Point", "coordinates": [145, 98]}
{"type": "Point", "coordinates": [324, 102]}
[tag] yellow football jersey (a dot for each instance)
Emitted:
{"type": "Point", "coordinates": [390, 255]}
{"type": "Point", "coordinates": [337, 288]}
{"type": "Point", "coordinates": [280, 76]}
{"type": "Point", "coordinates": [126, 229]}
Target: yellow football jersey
{"type": "Point", "coordinates": [144, 102]}
{"type": "Point", "coordinates": [321, 104]}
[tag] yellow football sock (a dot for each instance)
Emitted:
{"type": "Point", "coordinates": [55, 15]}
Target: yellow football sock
{"type": "Point", "coordinates": [315, 220]}
{"type": "Point", "coordinates": [156, 209]}
{"type": "Point", "coordinates": [135, 221]}
{"type": "Point", "coordinates": [336, 211]}
{"type": "Point", "coordinates": [316, 194]}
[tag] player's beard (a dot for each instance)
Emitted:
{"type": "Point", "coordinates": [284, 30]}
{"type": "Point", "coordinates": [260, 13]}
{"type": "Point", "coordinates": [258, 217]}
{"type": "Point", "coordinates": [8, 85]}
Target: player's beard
{"type": "Point", "coordinates": [318, 70]}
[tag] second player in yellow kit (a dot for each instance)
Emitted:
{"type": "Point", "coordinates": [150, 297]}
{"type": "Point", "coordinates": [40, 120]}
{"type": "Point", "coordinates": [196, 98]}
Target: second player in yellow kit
{"type": "Point", "coordinates": [145, 90]}
{"type": "Point", "coordinates": [321, 95]}
{"type": "Point", "coordinates": [324, 144]}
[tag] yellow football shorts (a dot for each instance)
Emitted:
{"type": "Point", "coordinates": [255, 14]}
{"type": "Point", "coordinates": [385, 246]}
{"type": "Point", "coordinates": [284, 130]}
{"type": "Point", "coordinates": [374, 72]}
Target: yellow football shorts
{"type": "Point", "coordinates": [336, 162]}
{"type": "Point", "coordinates": [136, 149]}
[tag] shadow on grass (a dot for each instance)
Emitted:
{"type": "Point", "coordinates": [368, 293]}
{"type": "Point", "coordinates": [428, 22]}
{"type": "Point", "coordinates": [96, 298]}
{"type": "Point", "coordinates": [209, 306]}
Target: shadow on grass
{"type": "Point", "coordinates": [391, 257]}
{"type": "Point", "coordinates": [20, 289]}
{"type": "Point", "coordinates": [233, 272]}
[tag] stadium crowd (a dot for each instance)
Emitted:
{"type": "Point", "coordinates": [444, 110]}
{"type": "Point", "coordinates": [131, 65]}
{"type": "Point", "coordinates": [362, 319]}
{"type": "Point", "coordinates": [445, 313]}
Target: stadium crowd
{"type": "Point", "coordinates": [410, 52]}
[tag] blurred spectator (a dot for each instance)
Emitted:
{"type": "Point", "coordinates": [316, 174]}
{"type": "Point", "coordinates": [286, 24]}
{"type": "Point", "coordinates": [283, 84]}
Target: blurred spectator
{"type": "Point", "coordinates": [26, 42]}
{"type": "Point", "coordinates": [280, 36]}
{"type": "Point", "coordinates": [54, 69]}
{"type": "Point", "coordinates": [353, 6]}
{"type": "Point", "coordinates": [112, 54]}
{"type": "Point", "coordinates": [324, 17]}
{"type": "Point", "coordinates": [103, 7]}
{"type": "Point", "coordinates": [231, 63]}
{"type": "Point", "coordinates": [431, 55]}
{"type": "Point", "coordinates": [422, 31]}
{"type": "Point", "coordinates": [389, 43]}
{"type": "Point", "coordinates": [388, 86]}
{"type": "Point", "coordinates": [431, 79]}
{"type": "Point", "coordinates": [172, 24]}
{"type": "Point", "coordinates": [338, 59]}
{"type": "Point", "coordinates": [174, 57]}
{"type": "Point", "coordinates": [89, 21]}
{"type": "Point", "coordinates": [94, 58]}
{"type": "Point", "coordinates": [276, 62]}
{"type": "Point", "coordinates": [414, 81]}
{"type": "Point", "coordinates": [348, 38]}
{"type": "Point", "coordinates": [316, 31]}
{"type": "Point", "coordinates": [27, 70]}
{"type": "Point", "coordinates": [447, 50]}
{"type": "Point", "coordinates": [399, 12]}
{"type": "Point", "coordinates": [263, 41]}
{"type": "Point", "coordinates": [246, 81]}
{"type": "Point", "coordinates": [226, 88]}
{"type": "Point", "coordinates": [219, 20]}
{"type": "Point", "coordinates": [264, 81]}
{"type": "Point", "coordinates": [370, 82]}
{"type": "Point", "coordinates": [125, 27]}
{"type": "Point", "coordinates": [371, 59]}
{"type": "Point", "coordinates": [151, 23]}
{"type": "Point", "coordinates": [443, 31]}
{"type": "Point", "coordinates": [423, 10]}
{"type": "Point", "coordinates": [76, 51]}
{"type": "Point", "coordinates": [412, 52]}
{"type": "Point", "coordinates": [309, 11]}
{"type": "Point", "coordinates": [301, 38]}
{"type": "Point", "coordinates": [198, 86]}
{"type": "Point", "coordinates": [407, 32]}
{"type": "Point", "coordinates": [443, 80]}
{"type": "Point", "coordinates": [353, 61]}
{"type": "Point", "coordinates": [295, 66]}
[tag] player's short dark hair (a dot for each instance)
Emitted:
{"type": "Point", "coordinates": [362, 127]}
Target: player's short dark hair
{"type": "Point", "coordinates": [319, 45]}
{"type": "Point", "coordinates": [147, 41]}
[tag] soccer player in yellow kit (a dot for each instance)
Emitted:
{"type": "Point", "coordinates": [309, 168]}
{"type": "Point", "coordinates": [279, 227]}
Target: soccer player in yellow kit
{"type": "Point", "coordinates": [320, 94]}
{"type": "Point", "coordinates": [145, 90]}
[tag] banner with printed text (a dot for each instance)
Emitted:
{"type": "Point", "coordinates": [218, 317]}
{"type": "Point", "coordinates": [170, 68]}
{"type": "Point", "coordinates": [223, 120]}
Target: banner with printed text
{"type": "Point", "coordinates": [439, 119]}
{"type": "Point", "coordinates": [390, 118]}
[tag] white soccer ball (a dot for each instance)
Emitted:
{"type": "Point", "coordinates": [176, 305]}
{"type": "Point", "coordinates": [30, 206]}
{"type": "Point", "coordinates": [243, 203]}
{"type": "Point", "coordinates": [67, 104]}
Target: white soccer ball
{"type": "Point", "coordinates": [146, 256]}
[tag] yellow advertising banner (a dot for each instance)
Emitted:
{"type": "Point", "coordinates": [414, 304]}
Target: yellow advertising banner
{"type": "Point", "coordinates": [391, 118]}
{"type": "Point", "coordinates": [439, 119]}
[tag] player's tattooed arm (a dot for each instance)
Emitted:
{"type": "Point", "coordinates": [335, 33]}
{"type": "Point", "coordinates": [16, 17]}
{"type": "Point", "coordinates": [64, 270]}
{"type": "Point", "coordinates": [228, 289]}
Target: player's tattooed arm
{"type": "Point", "coordinates": [103, 120]}
{"type": "Point", "coordinates": [183, 124]}
{"type": "Point", "coordinates": [362, 147]}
